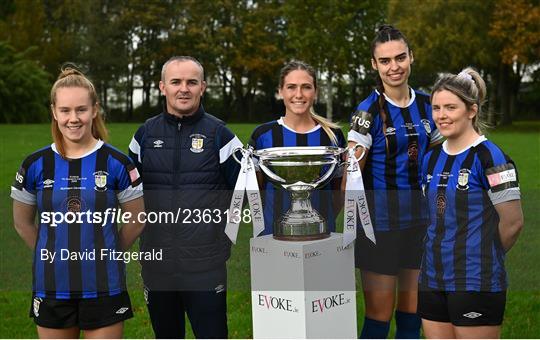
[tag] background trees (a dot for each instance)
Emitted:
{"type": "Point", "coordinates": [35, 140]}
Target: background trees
{"type": "Point", "coordinates": [498, 37]}
{"type": "Point", "coordinates": [242, 44]}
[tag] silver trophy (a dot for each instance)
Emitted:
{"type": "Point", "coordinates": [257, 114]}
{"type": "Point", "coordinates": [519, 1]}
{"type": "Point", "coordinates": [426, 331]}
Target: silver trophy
{"type": "Point", "coordinates": [300, 170]}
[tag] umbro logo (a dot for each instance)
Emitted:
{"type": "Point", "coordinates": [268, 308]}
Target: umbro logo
{"type": "Point", "coordinates": [220, 289]}
{"type": "Point", "coordinates": [390, 131]}
{"type": "Point", "coordinates": [472, 315]}
{"type": "Point", "coordinates": [158, 143]}
{"type": "Point", "coordinates": [122, 310]}
{"type": "Point", "coordinates": [48, 183]}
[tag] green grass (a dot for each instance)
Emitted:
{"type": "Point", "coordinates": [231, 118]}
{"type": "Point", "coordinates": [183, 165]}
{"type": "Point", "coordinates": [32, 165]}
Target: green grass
{"type": "Point", "coordinates": [522, 318]}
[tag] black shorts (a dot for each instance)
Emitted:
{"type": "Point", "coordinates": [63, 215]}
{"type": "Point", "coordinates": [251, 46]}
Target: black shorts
{"type": "Point", "coordinates": [462, 308]}
{"type": "Point", "coordinates": [82, 313]}
{"type": "Point", "coordinates": [395, 250]}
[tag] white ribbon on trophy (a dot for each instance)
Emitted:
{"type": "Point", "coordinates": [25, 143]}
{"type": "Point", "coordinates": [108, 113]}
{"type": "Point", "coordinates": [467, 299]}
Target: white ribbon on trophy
{"type": "Point", "coordinates": [246, 182]}
{"type": "Point", "coordinates": [355, 200]}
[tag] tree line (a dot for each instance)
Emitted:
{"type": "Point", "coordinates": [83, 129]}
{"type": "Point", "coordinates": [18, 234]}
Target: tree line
{"type": "Point", "coordinates": [242, 45]}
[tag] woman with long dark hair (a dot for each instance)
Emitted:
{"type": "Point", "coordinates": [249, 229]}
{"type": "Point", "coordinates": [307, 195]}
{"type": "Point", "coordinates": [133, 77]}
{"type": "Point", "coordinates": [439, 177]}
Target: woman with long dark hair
{"type": "Point", "coordinates": [393, 126]}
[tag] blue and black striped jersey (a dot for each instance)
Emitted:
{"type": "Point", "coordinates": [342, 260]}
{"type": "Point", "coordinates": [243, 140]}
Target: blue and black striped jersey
{"type": "Point", "coordinates": [392, 170]}
{"type": "Point", "coordinates": [462, 249]}
{"type": "Point", "coordinates": [277, 201]}
{"type": "Point", "coordinates": [83, 265]}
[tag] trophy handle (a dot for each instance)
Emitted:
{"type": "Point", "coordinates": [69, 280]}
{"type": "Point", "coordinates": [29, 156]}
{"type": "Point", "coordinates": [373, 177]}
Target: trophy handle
{"type": "Point", "coordinates": [329, 173]}
{"type": "Point", "coordinates": [246, 152]}
{"type": "Point", "coordinates": [271, 174]}
{"type": "Point", "coordinates": [347, 162]}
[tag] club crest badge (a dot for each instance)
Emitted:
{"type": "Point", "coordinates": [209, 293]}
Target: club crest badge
{"type": "Point", "coordinates": [197, 143]}
{"type": "Point", "coordinates": [36, 303]}
{"type": "Point", "coordinates": [463, 179]}
{"type": "Point", "coordinates": [100, 180]}
{"type": "Point", "coordinates": [425, 122]}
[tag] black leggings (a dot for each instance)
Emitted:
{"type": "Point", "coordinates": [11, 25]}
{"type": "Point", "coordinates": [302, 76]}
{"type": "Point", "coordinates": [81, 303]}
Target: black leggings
{"type": "Point", "coordinates": [206, 310]}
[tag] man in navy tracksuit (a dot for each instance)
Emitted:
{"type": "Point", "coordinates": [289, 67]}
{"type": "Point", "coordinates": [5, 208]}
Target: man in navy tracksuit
{"type": "Point", "coordinates": [184, 156]}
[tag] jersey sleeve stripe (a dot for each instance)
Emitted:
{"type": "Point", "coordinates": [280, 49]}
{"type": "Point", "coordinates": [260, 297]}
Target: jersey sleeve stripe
{"type": "Point", "coordinates": [130, 193]}
{"type": "Point", "coordinates": [23, 196]}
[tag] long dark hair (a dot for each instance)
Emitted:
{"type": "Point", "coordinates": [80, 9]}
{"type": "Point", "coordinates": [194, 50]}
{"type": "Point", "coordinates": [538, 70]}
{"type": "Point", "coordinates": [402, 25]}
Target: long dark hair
{"type": "Point", "coordinates": [385, 33]}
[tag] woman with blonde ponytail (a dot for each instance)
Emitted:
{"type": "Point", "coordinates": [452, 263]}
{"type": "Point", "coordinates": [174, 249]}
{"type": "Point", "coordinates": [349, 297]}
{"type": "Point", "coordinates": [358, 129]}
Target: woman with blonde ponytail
{"type": "Point", "coordinates": [73, 185]}
{"type": "Point", "coordinates": [300, 126]}
{"type": "Point", "coordinates": [475, 217]}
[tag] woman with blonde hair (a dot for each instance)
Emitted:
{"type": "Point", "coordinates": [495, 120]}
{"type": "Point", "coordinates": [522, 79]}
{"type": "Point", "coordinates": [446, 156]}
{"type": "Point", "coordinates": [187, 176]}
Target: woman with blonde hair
{"type": "Point", "coordinates": [78, 282]}
{"type": "Point", "coordinates": [300, 126]}
{"type": "Point", "coordinates": [475, 217]}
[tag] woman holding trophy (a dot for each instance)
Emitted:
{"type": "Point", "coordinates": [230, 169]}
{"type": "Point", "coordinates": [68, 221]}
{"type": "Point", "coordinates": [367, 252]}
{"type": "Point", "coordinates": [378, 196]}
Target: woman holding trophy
{"type": "Point", "coordinates": [300, 126]}
{"type": "Point", "coordinates": [393, 128]}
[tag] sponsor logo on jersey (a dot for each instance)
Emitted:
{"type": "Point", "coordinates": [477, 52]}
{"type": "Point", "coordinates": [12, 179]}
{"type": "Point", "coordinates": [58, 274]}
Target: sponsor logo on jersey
{"type": "Point", "coordinates": [73, 204]}
{"type": "Point", "coordinates": [197, 142]}
{"type": "Point", "coordinates": [472, 315]}
{"type": "Point", "coordinates": [390, 131]}
{"type": "Point", "coordinates": [441, 204]}
{"type": "Point", "coordinates": [48, 183]}
{"type": "Point", "coordinates": [361, 122]}
{"type": "Point", "coordinates": [412, 152]}
{"type": "Point", "coordinates": [100, 180]}
{"type": "Point", "coordinates": [158, 143]}
{"type": "Point", "coordinates": [19, 177]}
{"type": "Point", "coordinates": [463, 179]}
{"type": "Point", "coordinates": [502, 177]}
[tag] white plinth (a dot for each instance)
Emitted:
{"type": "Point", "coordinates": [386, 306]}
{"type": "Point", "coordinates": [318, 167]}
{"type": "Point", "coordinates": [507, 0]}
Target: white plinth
{"type": "Point", "coordinates": [302, 289]}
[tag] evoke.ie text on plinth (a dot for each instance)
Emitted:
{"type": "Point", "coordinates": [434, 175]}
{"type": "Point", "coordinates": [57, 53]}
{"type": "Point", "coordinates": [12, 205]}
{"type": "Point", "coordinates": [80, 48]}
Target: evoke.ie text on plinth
{"type": "Point", "coordinates": [303, 289]}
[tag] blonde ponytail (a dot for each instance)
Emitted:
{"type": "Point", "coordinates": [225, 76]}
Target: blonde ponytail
{"type": "Point", "coordinates": [326, 125]}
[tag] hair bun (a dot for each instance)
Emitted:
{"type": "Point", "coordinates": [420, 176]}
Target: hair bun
{"type": "Point", "coordinates": [386, 27]}
{"type": "Point", "coordinates": [69, 69]}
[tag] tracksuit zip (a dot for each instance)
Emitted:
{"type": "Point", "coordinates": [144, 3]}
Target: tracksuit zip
{"type": "Point", "coordinates": [177, 150]}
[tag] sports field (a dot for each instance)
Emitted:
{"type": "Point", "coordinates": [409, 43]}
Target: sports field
{"type": "Point", "coordinates": [522, 318]}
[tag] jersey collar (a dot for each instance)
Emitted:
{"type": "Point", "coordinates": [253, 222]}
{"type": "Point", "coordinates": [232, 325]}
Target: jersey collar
{"type": "Point", "coordinates": [96, 147]}
{"type": "Point", "coordinates": [478, 140]}
{"type": "Point", "coordinates": [282, 123]}
{"type": "Point", "coordinates": [389, 100]}
{"type": "Point", "coordinates": [189, 120]}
